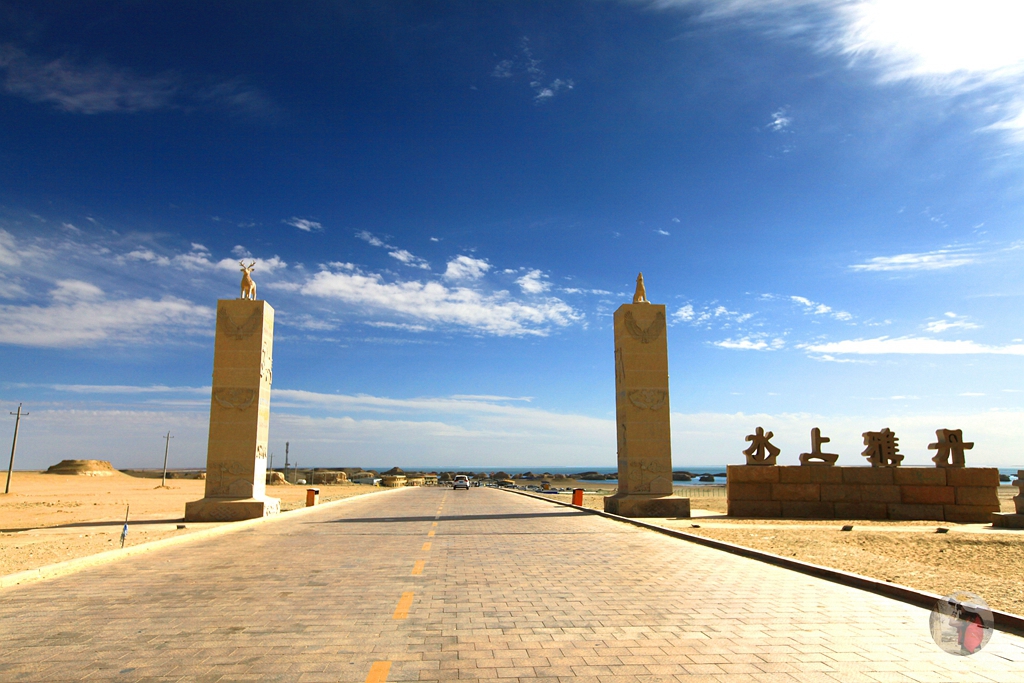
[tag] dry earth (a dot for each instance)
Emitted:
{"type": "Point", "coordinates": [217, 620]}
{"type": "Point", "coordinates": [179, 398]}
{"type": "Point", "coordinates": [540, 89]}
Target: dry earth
{"type": "Point", "coordinates": [50, 518]}
{"type": "Point", "coordinates": [971, 557]}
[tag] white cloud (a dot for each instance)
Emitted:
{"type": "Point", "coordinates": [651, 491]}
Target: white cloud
{"type": "Point", "coordinates": [79, 316]}
{"type": "Point", "coordinates": [780, 120]}
{"type": "Point", "coordinates": [466, 268]}
{"type": "Point", "coordinates": [675, 220]}
{"type": "Point", "coordinates": [752, 344]}
{"type": "Point", "coordinates": [912, 345]}
{"type": "Point", "coordinates": [659, 231]}
{"type": "Point", "coordinates": [525, 63]}
{"type": "Point", "coordinates": [951, 323]}
{"type": "Point", "coordinates": [8, 249]}
{"type": "Point", "coordinates": [409, 259]}
{"type": "Point", "coordinates": [815, 308]}
{"type": "Point", "coordinates": [433, 303]}
{"type": "Point", "coordinates": [303, 224]}
{"type": "Point", "coordinates": [684, 314]}
{"type": "Point", "coordinates": [76, 290]}
{"type": "Point", "coordinates": [930, 260]}
{"type": "Point", "coordinates": [401, 255]}
{"type": "Point", "coordinates": [100, 88]}
{"type": "Point", "coordinates": [533, 282]}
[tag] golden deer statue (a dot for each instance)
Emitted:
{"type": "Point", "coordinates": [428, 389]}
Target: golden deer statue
{"type": "Point", "coordinates": [248, 286]}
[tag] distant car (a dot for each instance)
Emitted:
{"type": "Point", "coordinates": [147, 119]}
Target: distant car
{"type": "Point", "coordinates": [461, 482]}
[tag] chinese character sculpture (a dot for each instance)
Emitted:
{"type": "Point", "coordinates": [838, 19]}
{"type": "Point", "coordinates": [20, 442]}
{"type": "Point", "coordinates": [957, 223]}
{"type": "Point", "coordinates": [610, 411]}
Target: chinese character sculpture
{"type": "Point", "coordinates": [1018, 500]}
{"type": "Point", "coordinates": [761, 451]}
{"type": "Point", "coordinates": [816, 457]}
{"type": "Point", "coordinates": [950, 442]}
{"type": "Point", "coordinates": [882, 450]}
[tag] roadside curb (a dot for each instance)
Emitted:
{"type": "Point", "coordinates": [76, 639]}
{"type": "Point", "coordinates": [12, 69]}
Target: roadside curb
{"type": "Point", "coordinates": [1003, 621]}
{"type": "Point", "coordinates": [52, 571]}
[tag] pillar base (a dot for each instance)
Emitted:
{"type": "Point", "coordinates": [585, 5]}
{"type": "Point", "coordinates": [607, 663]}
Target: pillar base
{"type": "Point", "coordinates": [230, 509]}
{"type": "Point", "coordinates": [647, 506]}
{"type": "Point", "coordinates": [1007, 520]}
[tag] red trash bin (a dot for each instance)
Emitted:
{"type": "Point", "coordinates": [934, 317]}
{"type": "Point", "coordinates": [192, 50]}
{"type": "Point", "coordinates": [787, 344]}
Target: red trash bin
{"type": "Point", "coordinates": [577, 497]}
{"type": "Point", "coordinates": [312, 497]}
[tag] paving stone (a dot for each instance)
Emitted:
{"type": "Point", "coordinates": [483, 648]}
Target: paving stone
{"type": "Point", "coordinates": [512, 589]}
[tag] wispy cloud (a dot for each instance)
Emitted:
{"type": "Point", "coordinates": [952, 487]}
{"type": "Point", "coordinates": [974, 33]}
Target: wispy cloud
{"type": "Point", "coordinates": [526, 63]}
{"type": "Point", "coordinates": [815, 308]}
{"type": "Point", "coordinates": [752, 344]}
{"type": "Point", "coordinates": [434, 303]}
{"type": "Point", "coordinates": [304, 224]}
{"type": "Point", "coordinates": [942, 48]}
{"type": "Point", "coordinates": [911, 345]}
{"type": "Point", "coordinates": [100, 88]}
{"type": "Point", "coordinates": [780, 120]}
{"type": "Point", "coordinates": [403, 256]}
{"type": "Point", "coordinates": [929, 260]}
{"type": "Point", "coordinates": [951, 322]}
{"type": "Point", "coordinates": [81, 315]}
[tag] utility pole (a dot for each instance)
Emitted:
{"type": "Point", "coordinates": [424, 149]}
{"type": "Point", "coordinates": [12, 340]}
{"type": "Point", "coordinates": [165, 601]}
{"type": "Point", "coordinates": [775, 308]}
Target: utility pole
{"type": "Point", "coordinates": [286, 461]}
{"type": "Point", "coordinates": [14, 447]}
{"type": "Point", "coordinates": [270, 477]}
{"type": "Point", "coordinates": [167, 445]}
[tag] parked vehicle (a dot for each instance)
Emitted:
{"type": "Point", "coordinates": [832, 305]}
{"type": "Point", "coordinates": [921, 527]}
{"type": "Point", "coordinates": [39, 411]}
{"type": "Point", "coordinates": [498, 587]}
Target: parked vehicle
{"type": "Point", "coordinates": [461, 482]}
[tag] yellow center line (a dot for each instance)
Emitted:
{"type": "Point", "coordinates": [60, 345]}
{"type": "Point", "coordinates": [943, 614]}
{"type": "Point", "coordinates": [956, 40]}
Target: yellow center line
{"type": "Point", "coordinates": [430, 533]}
{"type": "Point", "coordinates": [426, 546]}
{"type": "Point", "coordinates": [378, 672]}
{"type": "Point", "coordinates": [417, 568]}
{"type": "Point", "coordinates": [434, 524]}
{"type": "Point", "coordinates": [402, 611]}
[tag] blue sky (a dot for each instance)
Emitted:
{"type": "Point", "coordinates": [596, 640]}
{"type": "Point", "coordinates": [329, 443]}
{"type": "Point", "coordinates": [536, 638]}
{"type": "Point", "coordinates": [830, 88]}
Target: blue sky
{"type": "Point", "coordinates": [447, 201]}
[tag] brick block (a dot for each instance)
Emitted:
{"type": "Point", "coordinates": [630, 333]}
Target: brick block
{"type": "Point", "coordinates": [749, 491]}
{"type": "Point", "coordinates": [804, 492]}
{"type": "Point", "coordinates": [752, 473]}
{"type": "Point", "coordinates": [810, 474]}
{"type": "Point", "coordinates": [794, 475]}
{"type": "Point", "coordinates": [915, 511]}
{"type": "Point", "coordinates": [967, 514]}
{"type": "Point", "coordinates": [972, 476]}
{"type": "Point", "coordinates": [920, 476]}
{"type": "Point", "coordinates": [879, 494]}
{"type": "Point", "coordinates": [800, 509]}
{"type": "Point", "coordinates": [976, 495]}
{"type": "Point", "coordinates": [930, 495]}
{"type": "Point", "coordinates": [847, 493]}
{"type": "Point", "coordinates": [846, 510]}
{"type": "Point", "coordinates": [755, 508]}
{"type": "Point", "coordinates": [868, 475]}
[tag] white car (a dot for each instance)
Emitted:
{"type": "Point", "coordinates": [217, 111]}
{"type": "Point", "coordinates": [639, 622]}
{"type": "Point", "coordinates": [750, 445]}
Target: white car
{"type": "Point", "coordinates": [461, 482]}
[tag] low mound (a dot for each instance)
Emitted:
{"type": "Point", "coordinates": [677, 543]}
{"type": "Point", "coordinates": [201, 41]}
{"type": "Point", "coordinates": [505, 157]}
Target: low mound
{"type": "Point", "coordinates": [88, 468]}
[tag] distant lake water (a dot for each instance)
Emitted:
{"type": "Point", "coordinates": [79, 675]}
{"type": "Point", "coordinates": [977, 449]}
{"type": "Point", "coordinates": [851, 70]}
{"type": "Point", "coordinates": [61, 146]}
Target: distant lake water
{"type": "Point", "coordinates": [694, 469]}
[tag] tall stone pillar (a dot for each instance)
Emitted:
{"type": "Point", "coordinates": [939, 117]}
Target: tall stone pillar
{"type": "Point", "coordinates": [236, 457]}
{"type": "Point", "coordinates": [642, 413]}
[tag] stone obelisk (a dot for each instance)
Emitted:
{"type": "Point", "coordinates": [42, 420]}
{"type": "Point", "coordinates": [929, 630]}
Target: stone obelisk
{"type": "Point", "coordinates": [236, 456]}
{"type": "Point", "coordinates": [642, 413]}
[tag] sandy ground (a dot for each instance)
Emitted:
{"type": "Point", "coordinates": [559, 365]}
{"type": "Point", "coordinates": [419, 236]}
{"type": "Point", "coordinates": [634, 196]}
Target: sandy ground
{"type": "Point", "coordinates": [971, 557]}
{"type": "Point", "coordinates": [50, 518]}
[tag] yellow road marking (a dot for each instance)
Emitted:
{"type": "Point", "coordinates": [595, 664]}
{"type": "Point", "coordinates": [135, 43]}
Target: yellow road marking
{"type": "Point", "coordinates": [402, 611]}
{"type": "Point", "coordinates": [426, 546]}
{"type": "Point", "coordinates": [417, 568]}
{"type": "Point", "coordinates": [434, 524]}
{"type": "Point", "coordinates": [430, 533]}
{"type": "Point", "coordinates": [378, 672]}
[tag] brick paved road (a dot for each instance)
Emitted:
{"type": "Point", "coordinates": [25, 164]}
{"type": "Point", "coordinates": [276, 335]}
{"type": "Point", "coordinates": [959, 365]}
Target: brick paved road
{"type": "Point", "coordinates": [507, 588]}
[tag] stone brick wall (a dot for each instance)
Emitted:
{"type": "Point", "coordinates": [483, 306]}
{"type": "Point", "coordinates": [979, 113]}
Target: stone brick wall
{"type": "Point", "coordinates": [969, 494]}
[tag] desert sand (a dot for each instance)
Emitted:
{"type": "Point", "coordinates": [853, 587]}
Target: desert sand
{"type": "Point", "coordinates": [50, 518]}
